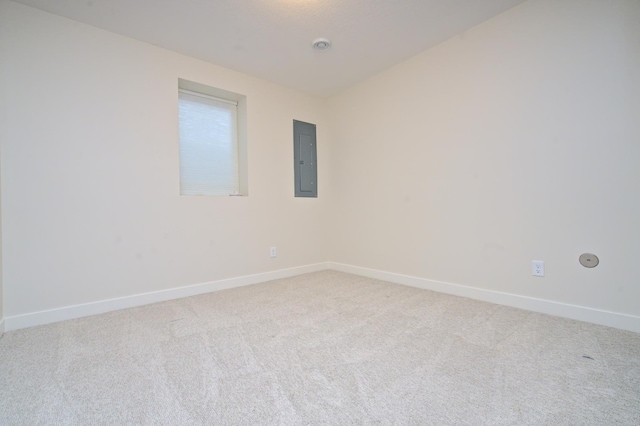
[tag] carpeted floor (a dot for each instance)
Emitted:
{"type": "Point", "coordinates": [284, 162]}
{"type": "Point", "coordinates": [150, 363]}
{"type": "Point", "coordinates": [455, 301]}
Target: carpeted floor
{"type": "Point", "coordinates": [322, 348]}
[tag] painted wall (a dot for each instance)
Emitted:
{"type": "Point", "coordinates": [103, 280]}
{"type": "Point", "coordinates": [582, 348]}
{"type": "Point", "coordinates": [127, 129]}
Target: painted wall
{"type": "Point", "coordinates": [90, 181]}
{"type": "Point", "coordinates": [2, 325]}
{"type": "Point", "coordinates": [517, 140]}
{"type": "Point", "coordinates": [3, 121]}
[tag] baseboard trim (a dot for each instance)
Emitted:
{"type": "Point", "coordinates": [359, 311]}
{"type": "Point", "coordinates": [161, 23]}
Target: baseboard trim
{"type": "Point", "coordinates": [100, 307]}
{"type": "Point", "coordinates": [580, 313]}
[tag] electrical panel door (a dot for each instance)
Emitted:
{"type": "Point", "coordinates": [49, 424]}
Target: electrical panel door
{"type": "Point", "coordinates": [305, 159]}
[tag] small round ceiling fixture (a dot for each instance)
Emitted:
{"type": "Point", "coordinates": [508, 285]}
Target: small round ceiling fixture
{"type": "Point", "coordinates": [321, 44]}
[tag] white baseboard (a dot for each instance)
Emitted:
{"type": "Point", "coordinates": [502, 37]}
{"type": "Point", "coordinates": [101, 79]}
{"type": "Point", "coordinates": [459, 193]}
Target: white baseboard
{"type": "Point", "coordinates": [580, 313]}
{"type": "Point", "coordinates": [87, 309]}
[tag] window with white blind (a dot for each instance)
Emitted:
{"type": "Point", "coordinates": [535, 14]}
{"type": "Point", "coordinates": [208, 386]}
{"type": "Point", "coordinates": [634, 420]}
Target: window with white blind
{"type": "Point", "coordinates": [209, 144]}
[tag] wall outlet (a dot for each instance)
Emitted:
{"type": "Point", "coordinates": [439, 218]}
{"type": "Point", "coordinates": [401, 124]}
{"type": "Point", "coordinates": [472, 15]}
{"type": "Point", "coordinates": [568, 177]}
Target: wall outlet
{"type": "Point", "coordinates": [272, 251]}
{"type": "Point", "coordinates": [538, 268]}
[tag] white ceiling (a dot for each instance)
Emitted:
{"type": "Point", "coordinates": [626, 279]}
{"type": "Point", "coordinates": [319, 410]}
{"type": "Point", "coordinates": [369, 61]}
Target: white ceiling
{"type": "Point", "coordinates": [271, 39]}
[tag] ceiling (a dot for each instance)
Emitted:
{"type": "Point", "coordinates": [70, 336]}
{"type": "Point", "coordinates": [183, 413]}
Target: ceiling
{"type": "Point", "coordinates": [271, 39]}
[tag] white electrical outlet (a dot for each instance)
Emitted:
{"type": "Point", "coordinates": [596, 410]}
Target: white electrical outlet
{"type": "Point", "coordinates": [272, 251]}
{"type": "Point", "coordinates": [538, 268]}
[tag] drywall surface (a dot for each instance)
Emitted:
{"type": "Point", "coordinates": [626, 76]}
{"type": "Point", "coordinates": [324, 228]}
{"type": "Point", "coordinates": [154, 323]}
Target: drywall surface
{"type": "Point", "coordinates": [1, 280]}
{"type": "Point", "coordinates": [3, 121]}
{"type": "Point", "coordinates": [90, 171]}
{"type": "Point", "coordinates": [517, 140]}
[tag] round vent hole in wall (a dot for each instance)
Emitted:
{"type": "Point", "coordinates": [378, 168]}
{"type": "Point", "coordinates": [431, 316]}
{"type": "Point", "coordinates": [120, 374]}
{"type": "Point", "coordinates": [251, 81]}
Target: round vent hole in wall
{"type": "Point", "coordinates": [589, 260]}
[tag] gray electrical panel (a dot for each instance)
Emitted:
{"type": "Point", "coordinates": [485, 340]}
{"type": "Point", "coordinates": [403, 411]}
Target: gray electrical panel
{"type": "Point", "coordinates": [305, 159]}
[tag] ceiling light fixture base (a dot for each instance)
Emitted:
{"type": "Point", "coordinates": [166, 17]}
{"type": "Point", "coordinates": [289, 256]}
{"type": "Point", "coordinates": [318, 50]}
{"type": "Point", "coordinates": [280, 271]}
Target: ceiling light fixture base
{"type": "Point", "coordinates": [321, 44]}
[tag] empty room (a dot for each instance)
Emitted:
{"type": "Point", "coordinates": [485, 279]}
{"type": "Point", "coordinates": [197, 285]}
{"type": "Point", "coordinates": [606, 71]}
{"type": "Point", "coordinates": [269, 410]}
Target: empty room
{"type": "Point", "coordinates": [294, 212]}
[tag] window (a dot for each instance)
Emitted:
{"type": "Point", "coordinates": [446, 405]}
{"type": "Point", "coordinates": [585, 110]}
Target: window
{"type": "Point", "coordinates": [209, 142]}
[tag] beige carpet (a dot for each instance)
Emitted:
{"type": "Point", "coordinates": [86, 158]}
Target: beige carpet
{"type": "Point", "coordinates": [322, 348]}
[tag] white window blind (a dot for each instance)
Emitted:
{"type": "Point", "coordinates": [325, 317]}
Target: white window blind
{"type": "Point", "coordinates": [208, 145]}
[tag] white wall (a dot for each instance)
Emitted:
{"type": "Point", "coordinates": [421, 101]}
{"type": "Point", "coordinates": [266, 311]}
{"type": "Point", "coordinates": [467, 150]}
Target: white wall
{"type": "Point", "coordinates": [514, 141]}
{"type": "Point", "coordinates": [1, 274]}
{"type": "Point", "coordinates": [517, 140]}
{"type": "Point", "coordinates": [90, 182]}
